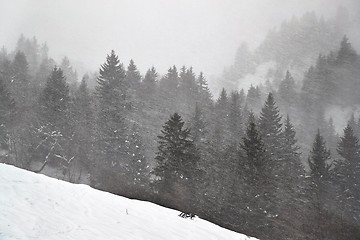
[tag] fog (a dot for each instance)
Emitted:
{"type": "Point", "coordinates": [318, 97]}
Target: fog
{"type": "Point", "coordinates": [204, 33]}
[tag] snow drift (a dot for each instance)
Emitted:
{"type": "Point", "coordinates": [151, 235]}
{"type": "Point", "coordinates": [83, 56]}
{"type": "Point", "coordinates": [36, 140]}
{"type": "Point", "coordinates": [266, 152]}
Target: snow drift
{"type": "Point", "coordinates": [33, 206]}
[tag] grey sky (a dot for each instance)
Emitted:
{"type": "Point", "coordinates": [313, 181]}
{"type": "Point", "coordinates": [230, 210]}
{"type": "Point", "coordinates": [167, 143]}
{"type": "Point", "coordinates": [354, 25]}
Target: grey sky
{"type": "Point", "coordinates": [201, 33]}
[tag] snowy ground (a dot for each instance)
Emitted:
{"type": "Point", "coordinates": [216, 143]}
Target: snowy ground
{"type": "Point", "coordinates": [33, 206]}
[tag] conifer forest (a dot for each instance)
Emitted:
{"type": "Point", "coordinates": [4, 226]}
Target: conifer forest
{"type": "Point", "coordinates": [268, 147]}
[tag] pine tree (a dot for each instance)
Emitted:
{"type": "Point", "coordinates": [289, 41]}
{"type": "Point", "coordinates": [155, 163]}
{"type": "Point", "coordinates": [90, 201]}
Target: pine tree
{"type": "Point", "coordinates": [20, 81]}
{"type": "Point", "coordinates": [287, 92]}
{"type": "Point", "coordinates": [149, 83]}
{"type": "Point", "coordinates": [69, 74]}
{"type": "Point", "coordinates": [170, 81]}
{"type": "Point", "coordinates": [255, 197]}
{"type": "Point", "coordinates": [188, 90]}
{"type": "Point", "coordinates": [254, 148]}
{"type": "Point", "coordinates": [177, 164]}
{"type": "Point", "coordinates": [319, 180]}
{"type": "Point", "coordinates": [84, 127]}
{"type": "Point", "coordinates": [346, 54]}
{"type": "Point", "coordinates": [348, 178]}
{"type": "Point", "coordinates": [54, 101]}
{"type": "Point", "coordinates": [112, 94]}
{"type": "Point", "coordinates": [270, 127]}
{"type": "Point", "coordinates": [55, 130]}
{"type": "Point", "coordinates": [133, 76]}
{"type": "Point", "coordinates": [204, 91]}
{"type": "Point", "coordinates": [291, 191]}
{"type": "Point", "coordinates": [137, 169]}
{"type": "Point", "coordinates": [318, 160]}
{"type": "Point", "coordinates": [253, 98]}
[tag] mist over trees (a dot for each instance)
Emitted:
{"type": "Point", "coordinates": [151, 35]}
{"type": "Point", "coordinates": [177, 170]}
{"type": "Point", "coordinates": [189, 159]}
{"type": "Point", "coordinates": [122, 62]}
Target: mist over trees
{"type": "Point", "coordinates": [265, 161]}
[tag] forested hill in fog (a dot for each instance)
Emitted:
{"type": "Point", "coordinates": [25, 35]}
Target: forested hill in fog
{"type": "Point", "coordinates": [270, 161]}
{"type": "Point", "coordinates": [295, 45]}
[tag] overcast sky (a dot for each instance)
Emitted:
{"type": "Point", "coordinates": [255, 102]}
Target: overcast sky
{"type": "Point", "coordinates": [201, 33]}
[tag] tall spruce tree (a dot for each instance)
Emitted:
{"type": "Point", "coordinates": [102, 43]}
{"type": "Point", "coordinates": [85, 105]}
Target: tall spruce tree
{"type": "Point", "coordinates": [177, 165]}
{"type": "Point", "coordinates": [348, 178]}
{"type": "Point", "coordinates": [112, 95]}
{"type": "Point", "coordinates": [148, 85]}
{"type": "Point", "coordinates": [54, 101]}
{"type": "Point", "coordinates": [318, 185]}
{"type": "Point", "coordinates": [84, 127]}
{"type": "Point", "coordinates": [256, 199]}
{"type": "Point", "coordinates": [204, 91]}
{"type": "Point", "coordinates": [287, 92]}
{"type": "Point", "coordinates": [20, 83]}
{"type": "Point", "coordinates": [270, 127]}
{"type": "Point", "coordinates": [55, 131]}
{"type": "Point", "coordinates": [133, 76]}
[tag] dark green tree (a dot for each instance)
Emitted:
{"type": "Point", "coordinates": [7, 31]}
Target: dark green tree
{"type": "Point", "coordinates": [133, 76]}
{"type": "Point", "coordinates": [112, 95]}
{"type": "Point", "coordinates": [348, 178]}
{"type": "Point", "coordinates": [149, 83]}
{"type": "Point", "coordinates": [256, 201]}
{"type": "Point", "coordinates": [177, 165]}
{"type": "Point", "coordinates": [54, 101]}
{"type": "Point", "coordinates": [270, 127]}
{"type": "Point", "coordinates": [253, 98]}
{"type": "Point", "coordinates": [346, 54]}
{"type": "Point", "coordinates": [318, 185]}
{"type": "Point", "coordinates": [287, 92]}
{"type": "Point", "coordinates": [204, 91]}
{"type": "Point", "coordinates": [84, 130]}
{"type": "Point", "coordinates": [54, 130]}
{"type": "Point", "coordinates": [137, 168]}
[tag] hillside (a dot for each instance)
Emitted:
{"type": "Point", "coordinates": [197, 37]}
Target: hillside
{"type": "Point", "coordinates": [33, 206]}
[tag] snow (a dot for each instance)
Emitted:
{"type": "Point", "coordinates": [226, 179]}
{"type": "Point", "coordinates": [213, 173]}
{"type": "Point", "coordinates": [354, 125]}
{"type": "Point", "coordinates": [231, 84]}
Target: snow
{"type": "Point", "coordinates": [33, 206]}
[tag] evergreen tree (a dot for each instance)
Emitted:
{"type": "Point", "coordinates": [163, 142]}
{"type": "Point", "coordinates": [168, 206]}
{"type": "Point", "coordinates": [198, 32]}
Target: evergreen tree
{"type": "Point", "coordinates": [82, 115]}
{"type": "Point", "coordinates": [271, 127]}
{"type": "Point", "coordinates": [287, 92]}
{"type": "Point", "coordinates": [111, 134]}
{"type": "Point", "coordinates": [177, 164]}
{"type": "Point", "coordinates": [133, 77]}
{"type": "Point", "coordinates": [170, 81]}
{"type": "Point", "coordinates": [137, 169]}
{"type": "Point", "coordinates": [20, 81]}
{"type": "Point", "coordinates": [69, 74]}
{"type": "Point", "coordinates": [319, 180]}
{"type": "Point", "coordinates": [253, 146]}
{"type": "Point", "coordinates": [348, 178]}
{"type": "Point", "coordinates": [54, 101]}
{"type": "Point", "coordinates": [318, 160]}
{"type": "Point", "coordinates": [204, 91]}
{"type": "Point", "coordinates": [148, 85]}
{"type": "Point", "coordinates": [55, 130]}
{"type": "Point", "coordinates": [346, 54]}
{"type": "Point", "coordinates": [255, 196]}
{"type": "Point", "coordinates": [253, 98]}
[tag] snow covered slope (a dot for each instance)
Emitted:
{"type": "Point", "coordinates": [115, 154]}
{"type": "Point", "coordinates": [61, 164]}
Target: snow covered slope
{"type": "Point", "coordinates": [33, 206]}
